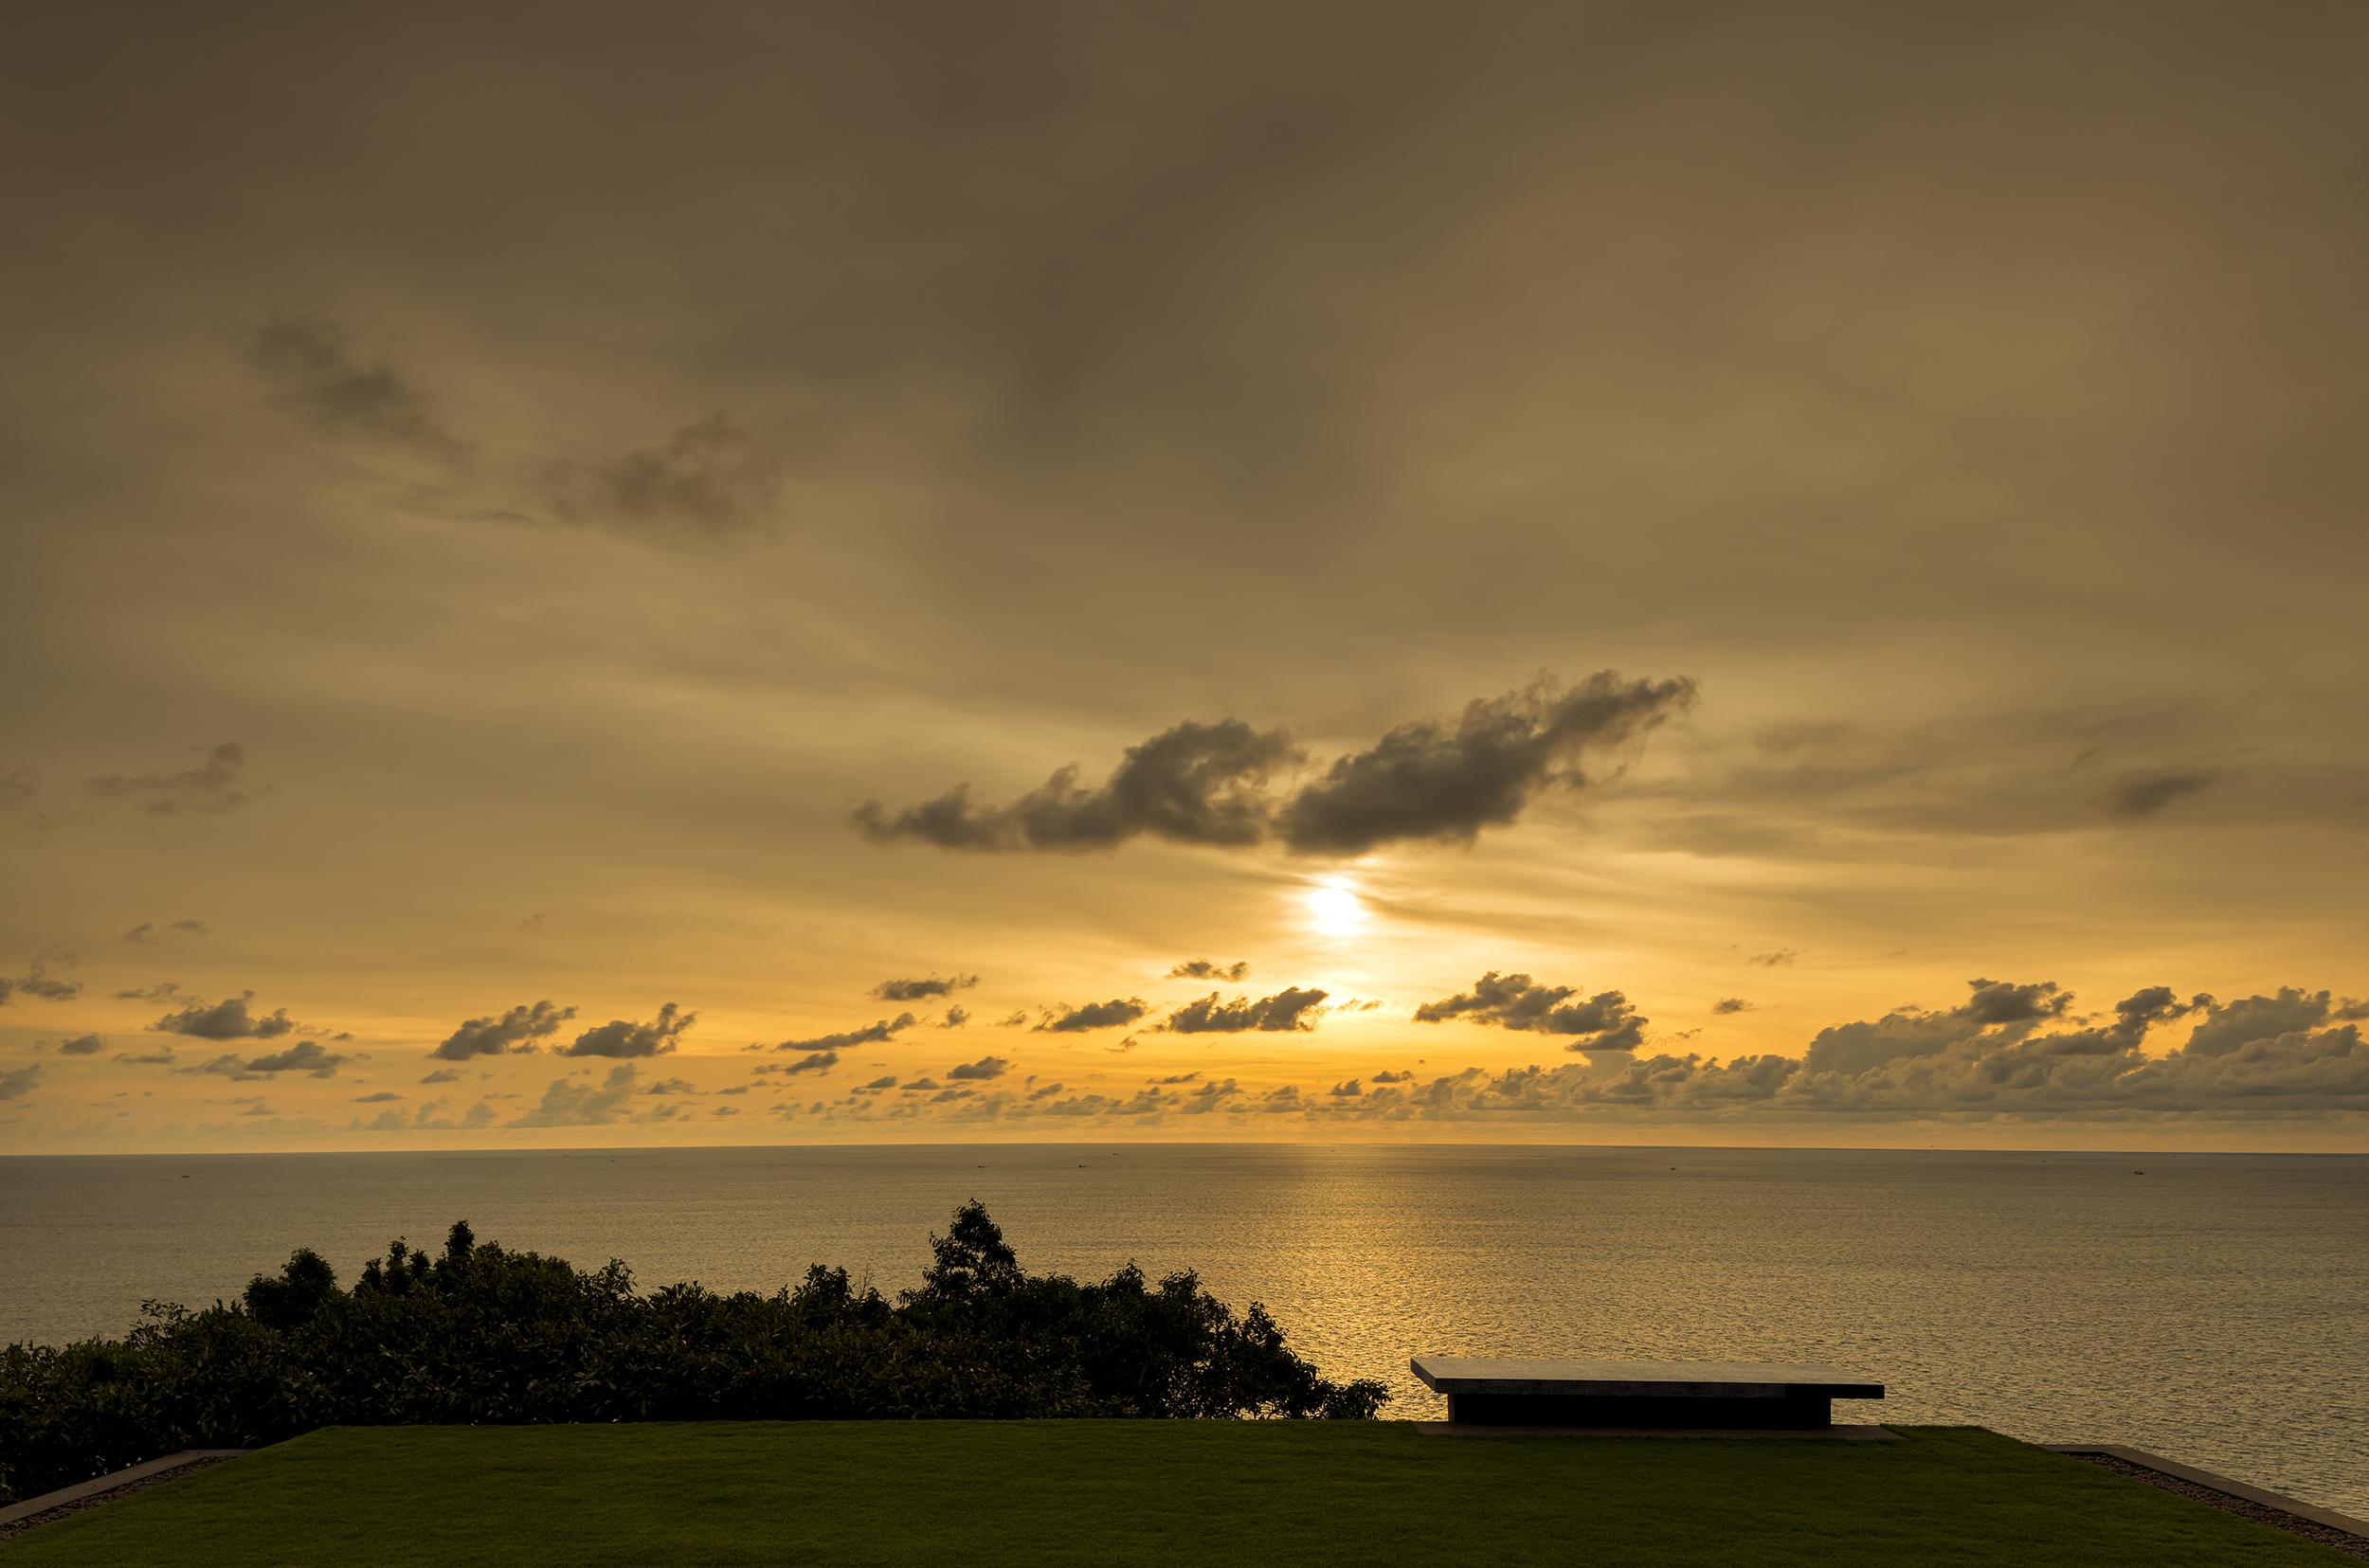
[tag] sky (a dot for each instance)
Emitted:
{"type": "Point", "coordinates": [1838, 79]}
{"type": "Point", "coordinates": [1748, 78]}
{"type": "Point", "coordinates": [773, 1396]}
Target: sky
{"type": "Point", "coordinates": [1630, 573]}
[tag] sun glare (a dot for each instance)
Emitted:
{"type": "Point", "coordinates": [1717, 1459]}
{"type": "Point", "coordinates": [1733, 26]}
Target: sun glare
{"type": "Point", "coordinates": [1334, 907]}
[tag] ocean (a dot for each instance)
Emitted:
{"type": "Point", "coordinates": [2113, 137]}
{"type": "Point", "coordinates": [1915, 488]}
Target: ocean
{"type": "Point", "coordinates": [2211, 1308]}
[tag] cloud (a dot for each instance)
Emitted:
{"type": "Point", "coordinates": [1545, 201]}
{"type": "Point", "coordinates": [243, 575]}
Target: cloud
{"type": "Point", "coordinates": [1196, 784]}
{"type": "Point", "coordinates": [955, 1018]}
{"type": "Point", "coordinates": [985, 1067]}
{"type": "Point", "coordinates": [1730, 1004]}
{"type": "Point", "coordinates": [517, 1031]}
{"type": "Point", "coordinates": [317, 379]}
{"type": "Point", "coordinates": [381, 1097]}
{"type": "Point", "coordinates": [2008, 1050]}
{"type": "Point", "coordinates": [922, 990]}
{"type": "Point", "coordinates": [164, 990]}
{"type": "Point", "coordinates": [304, 1057]}
{"type": "Point", "coordinates": [919, 1086]}
{"type": "Point", "coordinates": [161, 1056]}
{"type": "Point", "coordinates": [1394, 1077]}
{"type": "Point", "coordinates": [1602, 1023]}
{"type": "Point", "coordinates": [1201, 968]}
{"type": "Point", "coordinates": [211, 786]}
{"type": "Point", "coordinates": [81, 1045]}
{"type": "Point", "coordinates": [146, 933]}
{"type": "Point", "coordinates": [889, 1081]}
{"type": "Point", "coordinates": [1433, 780]}
{"type": "Point", "coordinates": [442, 1075]}
{"type": "Point", "coordinates": [2148, 794]}
{"type": "Point", "coordinates": [1774, 956]}
{"type": "Point", "coordinates": [671, 1086]}
{"type": "Point", "coordinates": [1348, 1089]}
{"type": "Point", "coordinates": [1091, 1015]}
{"type": "Point", "coordinates": [18, 1082]}
{"type": "Point", "coordinates": [619, 1038]}
{"type": "Point", "coordinates": [1286, 1010]}
{"type": "Point", "coordinates": [813, 1061]}
{"type": "Point", "coordinates": [711, 477]}
{"type": "Point", "coordinates": [1436, 780]}
{"type": "Point", "coordinates": [1016, 1019]}
{"type": "Point", "coordinates": [870, 1034]}
{"type": "Point", "coordinates": [224, 1020]}
{"type": "Point", "coordinates": [566, 1102]}
{"type": "Point", "coordinates": [38, 981]}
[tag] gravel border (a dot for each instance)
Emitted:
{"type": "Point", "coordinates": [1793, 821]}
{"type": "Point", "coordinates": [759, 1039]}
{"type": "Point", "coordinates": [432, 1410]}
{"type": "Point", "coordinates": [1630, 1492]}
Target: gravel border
{"type": "Point", "coordinates": [14, 1527]}
{"type": "Point", "coordinates": [2260, 1513]}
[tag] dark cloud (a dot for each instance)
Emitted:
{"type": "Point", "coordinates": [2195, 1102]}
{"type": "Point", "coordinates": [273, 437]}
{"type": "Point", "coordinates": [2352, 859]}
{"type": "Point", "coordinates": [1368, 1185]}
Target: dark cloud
{"type": "Point", "coordinates": [1433, 780]}
{"type": "Point", "coordinates": [670, 1086]}
{"type": "Point", "coordinates": [19, 1081]}
{"type": "Point", "coordinates": [922, 990]}
{"type": "Point", "coordinates": [1197, 784]}
{"type": "Point", "coordinates": [920, 1085]}
{"type": "Point", "coordinates": [213, 785]}
{"type": "Point", "coordinates": [1091, 1015]}
{"type": "Point", "coordinates": [955, 1018]}
{"type": "Point", "coordinates": [1286, 1010]}
{"type": "Point", "coordinates": [224, 1020]}
{"type": "Point", "coordinates": [81, 1045]}
{"type": "Point", "coordinates": [1176, 1078]}
{"type": "Point", "coordinates": [164, 990]}
{"type": "Point", "coordinates": [1997, 1001]}
{"type": "Point", "coordinates": [380, 1098]}
{"type": "Point", "coordinates": [887, 1081]}
{"type": "Point", "coordinates": [711, 477]}
{"type": "Point", "coordinates": [1394, 1077]}
{"type": "Point", "coordinates": [38, 981]}
{"type": "Point", "coordinates": [161, 1056]}
{"type": "Point", "coordinates": [568, 1103]}
{"type": "Point", "coordinates": [1730, 1004]}
{"type": "Point", "coordinates": [1016, 1019]}
{"type": "Point", "coordinates": [1349, 1090]}
{"type": "Point", "coordinates": [442, 1075]}
{"type": "Point", "coordinates": [1206, 784]}
{"type": "Point", "coordinates": [622, 1038]}
{"type": "Point", "coordinates": [2145, 797]}
{"type": "Point", "coordinates": [1774, 956]}
{"type": "Point", "coordinates": [1201, 968]}
{"type": "Point", "coordinates": [315, 376]}
{"type": "Point", "coordinates": [517, 1031]}
{"type": "Point", "coordinates": [871, 1033]}
{"type": "Point", "coordinates": [813, 1061]}
{"type": "Point", "coordinates": [304, 1057]}
{"type": "Point", "coordinates": [985, 1067]}
{"type": "Point", "coordinates": [146, 933]}
{"type": "Point", "coordinates": [1602, 1023]}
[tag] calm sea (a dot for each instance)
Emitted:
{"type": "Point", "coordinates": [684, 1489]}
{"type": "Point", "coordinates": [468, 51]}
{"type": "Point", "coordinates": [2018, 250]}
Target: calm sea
{"type": "Point", "coordinates": [2214, 1309]}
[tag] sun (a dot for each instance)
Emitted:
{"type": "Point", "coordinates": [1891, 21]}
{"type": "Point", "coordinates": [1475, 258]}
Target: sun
{"type": "Point", "coordinates": [1334, 907]}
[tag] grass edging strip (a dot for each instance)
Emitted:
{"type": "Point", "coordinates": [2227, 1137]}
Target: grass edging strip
{"type": "Point", "coordinates": [2325, 1525]}
{"type": "Point", "coordinates": [19, 1517]}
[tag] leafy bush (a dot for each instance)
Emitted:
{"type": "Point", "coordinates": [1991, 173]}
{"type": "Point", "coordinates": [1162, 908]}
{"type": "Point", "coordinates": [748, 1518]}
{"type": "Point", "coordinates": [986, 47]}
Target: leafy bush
{"type": "Point", "coordinates": [481, 1334]}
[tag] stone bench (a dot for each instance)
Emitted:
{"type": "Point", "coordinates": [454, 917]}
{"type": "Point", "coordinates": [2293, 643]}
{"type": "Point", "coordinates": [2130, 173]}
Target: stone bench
{"type": "Point", "coordinates": [1704, 1396]}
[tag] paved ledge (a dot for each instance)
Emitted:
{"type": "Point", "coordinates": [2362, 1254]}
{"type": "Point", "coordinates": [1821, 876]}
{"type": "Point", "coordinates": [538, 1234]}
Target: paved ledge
{"type": "Point", "coordinates": [82, 1491]}
{"type": "Point", "coordinates": [1848, 1434]}
{"type": "Point", "coordinates": [2328, 1518]}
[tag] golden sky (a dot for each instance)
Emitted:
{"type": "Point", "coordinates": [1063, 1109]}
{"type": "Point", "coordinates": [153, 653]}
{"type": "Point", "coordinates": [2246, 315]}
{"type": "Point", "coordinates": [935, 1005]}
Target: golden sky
{"type": "Point", "coordinates": [776, 572]}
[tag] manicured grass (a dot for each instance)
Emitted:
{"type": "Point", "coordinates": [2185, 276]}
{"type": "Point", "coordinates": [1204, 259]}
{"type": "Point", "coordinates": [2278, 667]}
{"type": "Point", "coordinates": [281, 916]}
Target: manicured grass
{"type": "Point", "coordinates": [1097, 1492]}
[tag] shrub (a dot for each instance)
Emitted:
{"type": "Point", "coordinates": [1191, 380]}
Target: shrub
{"type": "Point", "coordinates": [482, 1334]}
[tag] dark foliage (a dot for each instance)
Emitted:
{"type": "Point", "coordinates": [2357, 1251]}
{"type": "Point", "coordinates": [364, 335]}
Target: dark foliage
{"type": "Point", "coordinates": [481, 1334]}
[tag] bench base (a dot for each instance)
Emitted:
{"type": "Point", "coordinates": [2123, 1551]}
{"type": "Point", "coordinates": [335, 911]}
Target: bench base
{"type": "Point", "coordinates": [1787, 1412]}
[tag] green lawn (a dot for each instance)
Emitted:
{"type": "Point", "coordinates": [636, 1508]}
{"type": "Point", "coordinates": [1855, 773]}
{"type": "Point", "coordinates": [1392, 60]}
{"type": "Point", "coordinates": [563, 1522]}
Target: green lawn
{"type": "Point", "coordinates": [1096, 1493]}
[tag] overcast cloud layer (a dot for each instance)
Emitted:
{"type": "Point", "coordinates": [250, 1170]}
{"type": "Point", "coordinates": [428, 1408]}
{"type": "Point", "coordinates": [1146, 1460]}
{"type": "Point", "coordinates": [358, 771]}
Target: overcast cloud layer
{"type": "Point", "coordinates": [1399, 567]}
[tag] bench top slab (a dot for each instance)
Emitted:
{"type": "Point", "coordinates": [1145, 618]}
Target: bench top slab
{"type": "Point", "coordinates": [1641, 1379]}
